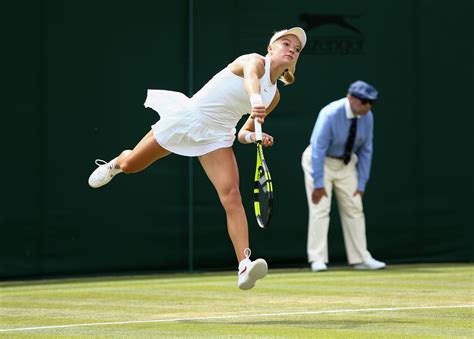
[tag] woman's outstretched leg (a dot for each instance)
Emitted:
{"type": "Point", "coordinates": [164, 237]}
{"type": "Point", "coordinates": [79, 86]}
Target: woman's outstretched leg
{"type": "Point", "coordinates": [146, 152]}
{"type": "Point", "coordinates": [221, 168]}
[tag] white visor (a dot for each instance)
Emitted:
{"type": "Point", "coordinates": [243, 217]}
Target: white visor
{"type": "Point", "coordinates": [297, 31]}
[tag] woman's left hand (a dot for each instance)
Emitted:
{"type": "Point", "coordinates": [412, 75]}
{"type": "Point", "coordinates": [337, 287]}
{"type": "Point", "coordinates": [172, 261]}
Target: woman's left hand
{"type": "Point", "coordinates": [267, 140]}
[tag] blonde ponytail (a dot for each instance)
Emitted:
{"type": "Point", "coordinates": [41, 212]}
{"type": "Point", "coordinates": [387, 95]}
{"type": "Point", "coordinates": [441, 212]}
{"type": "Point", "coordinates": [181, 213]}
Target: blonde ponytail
{"type": "Point", "coordinates": [288, 76]}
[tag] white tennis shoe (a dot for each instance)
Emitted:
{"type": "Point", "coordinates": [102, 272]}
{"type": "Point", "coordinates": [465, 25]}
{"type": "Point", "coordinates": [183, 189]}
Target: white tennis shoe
{"type": "Point", "coordinates": [318, 265]}
{"type": "Point", "coordinates": [250, 271]}
{"type": "Point", "coordinates": [103, 174]}
{"type": "Point", "coordinates": [370, 264]}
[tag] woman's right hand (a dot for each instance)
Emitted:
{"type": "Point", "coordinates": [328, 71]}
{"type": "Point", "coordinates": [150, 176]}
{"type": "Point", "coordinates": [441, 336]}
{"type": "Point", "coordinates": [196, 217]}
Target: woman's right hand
{"type": "Point", "coordinates": [258, 112]}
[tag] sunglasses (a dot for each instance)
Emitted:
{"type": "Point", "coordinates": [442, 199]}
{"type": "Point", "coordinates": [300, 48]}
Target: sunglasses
{"type": "Point", "coordinates": [365, 101]}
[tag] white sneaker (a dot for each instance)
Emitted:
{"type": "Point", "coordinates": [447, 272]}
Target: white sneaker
{"type": "Point", "coordinates": [370, 264]}
{"type": "Point", "coordinates": [318, 265]}
{"type": "Point", "coordinates": [250, 271]}
{"type": "Point", "coordinates": [103, 174]}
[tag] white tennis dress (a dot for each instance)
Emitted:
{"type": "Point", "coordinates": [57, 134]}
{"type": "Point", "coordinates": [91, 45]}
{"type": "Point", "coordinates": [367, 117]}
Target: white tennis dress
{"type": "Point", "coordinates": [201, 124]}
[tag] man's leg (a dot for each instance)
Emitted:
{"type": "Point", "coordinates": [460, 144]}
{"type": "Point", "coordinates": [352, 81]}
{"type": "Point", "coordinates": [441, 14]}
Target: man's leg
{"type": "Point", "coordinates": [352, 214]}
{"type": "Point", "coordinates": [318, 221]}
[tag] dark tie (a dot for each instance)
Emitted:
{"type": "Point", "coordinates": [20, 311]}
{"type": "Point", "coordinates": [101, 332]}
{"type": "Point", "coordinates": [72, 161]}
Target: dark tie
{"type": "Point", "coordinates": [350, 141]}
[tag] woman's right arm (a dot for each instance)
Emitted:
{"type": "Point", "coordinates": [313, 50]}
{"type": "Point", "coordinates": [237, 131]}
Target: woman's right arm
{"type": "Point", "coordinates": [246, 134]}
{"type": "Point", "coordinates": [251, 67]}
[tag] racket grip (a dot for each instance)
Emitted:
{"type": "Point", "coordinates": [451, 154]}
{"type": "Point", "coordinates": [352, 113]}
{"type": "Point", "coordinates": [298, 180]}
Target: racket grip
{"type": "Point", "coordinates": [258, 130]}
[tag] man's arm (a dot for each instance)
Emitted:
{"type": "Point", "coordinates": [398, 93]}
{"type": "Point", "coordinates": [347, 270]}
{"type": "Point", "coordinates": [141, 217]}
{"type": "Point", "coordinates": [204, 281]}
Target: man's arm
{"type": "Point", "coordinates": [365, 157]}
{"type": "Point", "coordinates": [320, 141]}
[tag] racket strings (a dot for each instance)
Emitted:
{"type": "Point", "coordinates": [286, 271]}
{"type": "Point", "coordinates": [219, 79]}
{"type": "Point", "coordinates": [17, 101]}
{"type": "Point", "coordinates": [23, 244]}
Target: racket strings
{"type": "Point", "coordinates": [263, 190]}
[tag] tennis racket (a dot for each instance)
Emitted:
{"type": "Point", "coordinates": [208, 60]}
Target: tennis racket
{"type": "Point", "coordinates": [263, 187]}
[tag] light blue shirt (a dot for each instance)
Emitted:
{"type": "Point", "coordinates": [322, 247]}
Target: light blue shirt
{"type": "Point", "coordinates": [329, 139]}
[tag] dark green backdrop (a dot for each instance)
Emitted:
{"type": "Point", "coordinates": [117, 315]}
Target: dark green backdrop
{"type": "Point", "coordinates": [75, 75]}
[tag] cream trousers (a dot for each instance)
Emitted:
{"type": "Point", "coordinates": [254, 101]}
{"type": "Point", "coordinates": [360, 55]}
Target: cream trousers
{"type": "Point", "coordinates": [342, 179]}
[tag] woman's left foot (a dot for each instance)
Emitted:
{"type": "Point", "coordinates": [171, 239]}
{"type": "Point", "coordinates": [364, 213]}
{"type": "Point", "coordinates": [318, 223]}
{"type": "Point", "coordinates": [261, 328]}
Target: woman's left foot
{"type": "Point", "coordinates": [103, 174]}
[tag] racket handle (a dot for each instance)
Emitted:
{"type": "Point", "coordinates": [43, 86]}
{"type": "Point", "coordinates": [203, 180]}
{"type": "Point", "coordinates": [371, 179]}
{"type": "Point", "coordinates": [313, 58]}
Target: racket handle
{"type": "Point", "coordinates": [258, 130]}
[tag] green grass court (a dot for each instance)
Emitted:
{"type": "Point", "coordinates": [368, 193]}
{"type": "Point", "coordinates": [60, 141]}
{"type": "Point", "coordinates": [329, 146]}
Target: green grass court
{"type": "Point", "coordinates": [416, 301]}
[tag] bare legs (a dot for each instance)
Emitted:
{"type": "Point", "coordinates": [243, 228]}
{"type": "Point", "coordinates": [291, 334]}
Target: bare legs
{"type": "Point", "coordinates": [146, 152]}
{"type": "Point", "coordinates": [221, 168]}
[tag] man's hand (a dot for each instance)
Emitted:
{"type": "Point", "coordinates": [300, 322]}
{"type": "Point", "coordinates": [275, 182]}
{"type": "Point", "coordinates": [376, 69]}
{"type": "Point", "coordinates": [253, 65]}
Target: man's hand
{"type": "Point", "coordinates": [359, 192]}
{"type": "Point", "coordinates": [318, 193]}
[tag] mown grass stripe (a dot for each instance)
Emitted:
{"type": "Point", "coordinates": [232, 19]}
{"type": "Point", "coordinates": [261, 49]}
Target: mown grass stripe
{"type": "Point", "coordinates": [241, 316]}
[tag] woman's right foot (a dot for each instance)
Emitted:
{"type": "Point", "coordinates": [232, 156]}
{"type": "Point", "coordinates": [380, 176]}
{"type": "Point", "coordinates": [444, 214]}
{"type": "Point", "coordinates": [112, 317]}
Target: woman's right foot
{"type": "Point", "coordinates": [103, 174]}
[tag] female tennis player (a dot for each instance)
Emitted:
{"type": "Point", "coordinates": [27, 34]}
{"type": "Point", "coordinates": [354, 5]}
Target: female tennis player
{"type": "Point", "coordinates": [204, 126]}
